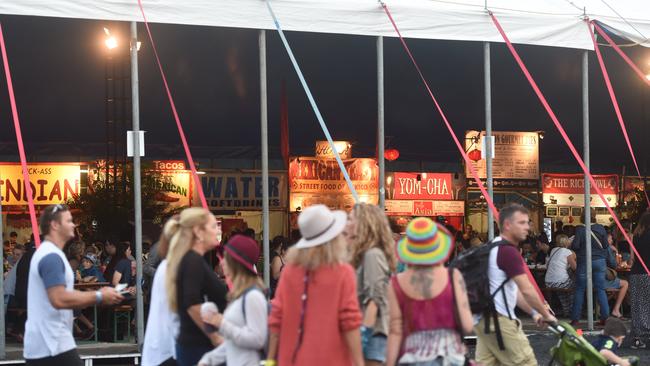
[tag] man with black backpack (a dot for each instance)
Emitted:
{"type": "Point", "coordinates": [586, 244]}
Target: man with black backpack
{"type": "Point", "coordinates": [501, 340]}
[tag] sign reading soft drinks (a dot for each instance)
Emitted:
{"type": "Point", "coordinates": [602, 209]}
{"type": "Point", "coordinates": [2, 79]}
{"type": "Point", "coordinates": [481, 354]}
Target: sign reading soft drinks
{"type": "Point", "coordinates": [51, 183]}
{"type": "Point", "coordinates": [243, 191]}
{"type": "Point", "coordinates": [569, 189]}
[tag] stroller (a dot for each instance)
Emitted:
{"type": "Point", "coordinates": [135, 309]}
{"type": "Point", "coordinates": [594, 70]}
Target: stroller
{"type": "Point", "coordinates": [573, 350]}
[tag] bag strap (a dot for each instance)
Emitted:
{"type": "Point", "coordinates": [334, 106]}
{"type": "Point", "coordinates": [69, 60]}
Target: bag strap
{"type": "Point", "coordinates": [459, 328]}
{"type": "Point", "coordinates": [597, 240]}
{"type": "Point", "coordinates": [243, 299]}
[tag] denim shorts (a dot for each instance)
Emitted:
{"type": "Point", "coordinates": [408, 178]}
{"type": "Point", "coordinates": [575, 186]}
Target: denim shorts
{"type": "Point", "coordinates": [614, 284]}
{"type": "Point", "coordinates": [376, 348]}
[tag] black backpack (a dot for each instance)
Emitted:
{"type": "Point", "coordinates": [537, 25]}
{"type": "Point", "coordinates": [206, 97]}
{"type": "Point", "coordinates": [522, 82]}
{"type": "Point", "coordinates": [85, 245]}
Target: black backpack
{"type": "Point", "coordinates": [473, 264]}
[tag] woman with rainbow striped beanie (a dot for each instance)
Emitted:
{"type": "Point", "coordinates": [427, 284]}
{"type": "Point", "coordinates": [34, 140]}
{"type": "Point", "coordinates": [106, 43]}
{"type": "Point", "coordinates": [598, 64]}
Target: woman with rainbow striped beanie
{"type": "Point", "coordinates": [429, 309]}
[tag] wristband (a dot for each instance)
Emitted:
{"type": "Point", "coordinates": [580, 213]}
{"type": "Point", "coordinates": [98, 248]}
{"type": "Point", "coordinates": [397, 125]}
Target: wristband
{"type": "Point", "coordinates": [269, 363]}
{"type": "Point", "coordinates": [98, 297]}
{"type": "Point", "coordinates": [535, 312]}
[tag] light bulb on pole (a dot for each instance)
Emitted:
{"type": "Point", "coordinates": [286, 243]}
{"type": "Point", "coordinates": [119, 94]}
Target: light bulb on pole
{"type": "Point", "coordinates": [111, 41]}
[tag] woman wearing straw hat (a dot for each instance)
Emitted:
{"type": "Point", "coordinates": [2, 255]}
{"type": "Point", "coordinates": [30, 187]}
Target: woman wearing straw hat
{"type": "Point", "coordinates": [244, 323]}
{"type": "Point", "coordinates": [429, 309]}
{"type": "Point", "coordinates": [373, 255]}
{"type": "Point", "coordinates": [315, 315]}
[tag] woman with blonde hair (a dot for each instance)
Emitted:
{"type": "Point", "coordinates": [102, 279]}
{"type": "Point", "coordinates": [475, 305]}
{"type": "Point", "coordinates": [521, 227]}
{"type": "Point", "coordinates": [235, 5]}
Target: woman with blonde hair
{"type": "Point", "coordinates": [244, 323]}
{"type": "Point", "coordinates": [370, 240]}
{"type": "Point", "coordinates": [561, 263]}
{"type": "Point", "coordinates": [315, 315]}
{"type": "Point", "coordinates": [429, 309]}
{"type": "Point", "coordinates": [189, 280]}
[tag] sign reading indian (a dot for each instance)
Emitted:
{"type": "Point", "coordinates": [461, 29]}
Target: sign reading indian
{"type": "Point", "coordinates": [51, 183]}
{"type": "Point", "coordinates": [569, 189]}
{"type": "Point", "coordinates": [422, 186]}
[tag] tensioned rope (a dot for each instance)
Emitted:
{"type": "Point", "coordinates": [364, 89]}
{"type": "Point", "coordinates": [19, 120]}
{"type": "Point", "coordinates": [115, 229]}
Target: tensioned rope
{"type": "Point", "coordinates": [488, 199]}
{"type": "Point", "coordinates": [19, 138]}
{"type": "Point", "coordinates": [621, 53]}
{"type": "Point", "coordinates": [321, 121]}
{"type": "Point", "coordinates": [188, 154]}
{"type": "Point", "coordinates": [559, 127]}
{"type": "Point", "coordinates": [617, 109]}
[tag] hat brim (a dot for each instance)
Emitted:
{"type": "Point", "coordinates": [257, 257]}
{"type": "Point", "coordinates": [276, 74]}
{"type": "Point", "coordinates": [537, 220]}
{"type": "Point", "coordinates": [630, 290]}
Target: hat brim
{"type": "Point", "coordinates": [340, 220]}
{"type": "Point", "coordinates": [440, 255]}
{"type": "Point", "coordinates": [250, 266]}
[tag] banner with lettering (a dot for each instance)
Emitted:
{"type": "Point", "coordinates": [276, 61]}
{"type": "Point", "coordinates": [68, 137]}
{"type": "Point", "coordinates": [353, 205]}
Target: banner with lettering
{"type": "Point", "coordinates": [516, 154]}
{"type": "Point", "coordinates": [569, 189]}
{"type": "Point", "coordinates": [424, 208]}
{"type": "Point", "coordinates": [51, 183]}
{"type": "Point", "coordinates": [313, 180]}
{"type": "Point", "coordinates": [420, 186]}
{"type": "Point", "coordinates": [241, 191]}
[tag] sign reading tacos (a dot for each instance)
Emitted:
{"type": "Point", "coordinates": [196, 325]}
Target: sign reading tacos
{"type": "Point", "coordinates": [50, 183]}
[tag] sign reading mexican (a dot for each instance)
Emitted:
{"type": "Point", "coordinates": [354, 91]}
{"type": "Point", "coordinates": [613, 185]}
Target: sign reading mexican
{"type": "Point", "coordinates": [51, 183]}
{"type": "Point", "coordinates": [421, 186]}
{"type": "Point", "coordinates": [424, 208]}
{"type": "Point", "coordinates": [313, 180]}
{"type": "Point", "coordinates": [175, 188]}
{"type": "Point", "coordinates": [569, 189]}
{"type": "Point", "coordinates": [516, 154]}
{"type": "Point", "coordinates": [227, 190]}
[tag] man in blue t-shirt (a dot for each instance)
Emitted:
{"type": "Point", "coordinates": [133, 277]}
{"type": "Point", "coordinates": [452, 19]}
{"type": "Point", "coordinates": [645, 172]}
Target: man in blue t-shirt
{"type": "Point", "coordinates": [51, 295]}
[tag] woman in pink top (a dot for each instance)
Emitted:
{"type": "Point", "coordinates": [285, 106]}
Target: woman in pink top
{"type": "Point", "coordinates": [315, 316]}
{"type": "Point", "coordinates": [429, 310]}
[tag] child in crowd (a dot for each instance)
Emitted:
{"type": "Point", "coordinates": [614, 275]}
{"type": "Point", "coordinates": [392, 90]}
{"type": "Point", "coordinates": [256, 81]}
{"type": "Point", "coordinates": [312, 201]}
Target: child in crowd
{"type": "Point", "coordinates": [89, 270]}
{"type": "Point", "coordinates": [611, 339]}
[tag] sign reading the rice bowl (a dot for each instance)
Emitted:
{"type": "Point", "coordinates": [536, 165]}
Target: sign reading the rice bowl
{"type": "Point", "coordinates": [516, 154]}
{"type": "Point", "coordinates": [51, 183]}
{"type": "Point", "coordinates": [313, 181]}
{"type": "Point", "coordinates": [569, 189]}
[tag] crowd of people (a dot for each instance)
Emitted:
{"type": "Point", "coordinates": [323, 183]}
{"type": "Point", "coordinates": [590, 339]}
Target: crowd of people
{"type": "Point", "coordinates": [349, 291]}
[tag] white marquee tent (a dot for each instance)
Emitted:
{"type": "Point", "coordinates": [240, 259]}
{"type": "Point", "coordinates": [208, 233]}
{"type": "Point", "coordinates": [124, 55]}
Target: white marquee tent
{"type": "Point", "coordinates": [536, 22]}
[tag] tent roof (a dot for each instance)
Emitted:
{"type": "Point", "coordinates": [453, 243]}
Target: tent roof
{"type": "Point", "coordinates": [540, 22]}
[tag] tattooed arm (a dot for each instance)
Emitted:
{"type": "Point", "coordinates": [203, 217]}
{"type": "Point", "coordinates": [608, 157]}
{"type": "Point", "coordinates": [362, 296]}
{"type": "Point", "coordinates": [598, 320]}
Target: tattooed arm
{"type": "Point", "coordinates": [462, 302]}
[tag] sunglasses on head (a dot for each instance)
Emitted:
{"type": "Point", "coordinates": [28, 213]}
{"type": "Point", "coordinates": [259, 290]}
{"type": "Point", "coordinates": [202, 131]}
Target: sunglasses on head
{"type": "Point", "coordinates": [57, 208]}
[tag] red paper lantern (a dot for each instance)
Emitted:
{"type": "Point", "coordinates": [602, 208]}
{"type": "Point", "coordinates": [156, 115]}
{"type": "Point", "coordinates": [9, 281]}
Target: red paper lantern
{"type": "Point", "coordinates": [391, 154]}
{"type": "Point", "coordinates": [475, 155]}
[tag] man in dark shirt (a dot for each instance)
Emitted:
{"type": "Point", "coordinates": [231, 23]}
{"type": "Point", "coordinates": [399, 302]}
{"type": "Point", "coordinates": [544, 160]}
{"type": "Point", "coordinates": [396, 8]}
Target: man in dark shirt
{"type": "Point", "coordinates": [599, 253]}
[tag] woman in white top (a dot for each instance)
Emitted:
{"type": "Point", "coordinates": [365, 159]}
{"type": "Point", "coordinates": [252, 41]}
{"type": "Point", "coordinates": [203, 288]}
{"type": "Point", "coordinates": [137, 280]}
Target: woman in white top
{"type": "Point", "coordinates": [561, 259]}
{"type": "Point", "coordinates": [244, 323]}
{"type": "Point", "coordinates": [162, 323]}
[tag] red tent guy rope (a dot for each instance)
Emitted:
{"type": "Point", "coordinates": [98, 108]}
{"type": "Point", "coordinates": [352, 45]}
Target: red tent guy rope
{"type": "Point", "coordinates": [19, 139]}
{"type": "Point", "coordinates": [488, 199]}
{"type": "Point", "coordinates": [188, 154]}
{"type": "Point", "coordinates": [620, 52]}
{"type": "Point", "coordinates": [617, 109]}
{"type": "Point", "coordinates": [559, 127]}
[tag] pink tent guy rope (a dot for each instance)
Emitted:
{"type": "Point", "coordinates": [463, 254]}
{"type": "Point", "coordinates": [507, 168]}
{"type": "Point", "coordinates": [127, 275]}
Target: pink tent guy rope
{"type": "Point", "coordinates": [559, 127]}
{"type": "Point", "coordinates": [19, 139]}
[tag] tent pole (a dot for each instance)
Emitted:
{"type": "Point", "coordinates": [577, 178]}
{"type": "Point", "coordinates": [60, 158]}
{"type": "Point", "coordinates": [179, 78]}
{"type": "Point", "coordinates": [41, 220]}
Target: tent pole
{"type": "Point", "coordinates": [137, 188]}
{"type": "Point", "coordinates": [265, 157]}
{"type": "Point", "coordinates": [488, 133]}
{"type": "Point", "coordinates": [380, 121]}
{"type": "Point", "coordinates": [587, 205]}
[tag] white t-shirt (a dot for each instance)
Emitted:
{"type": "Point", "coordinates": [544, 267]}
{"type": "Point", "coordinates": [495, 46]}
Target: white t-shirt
{"type": "Point", "coordinates": [162, 324]}
{"type": "Point", "coordinates": [243, 338]}
{"type": "Point", "coordinates": [556, 271]}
